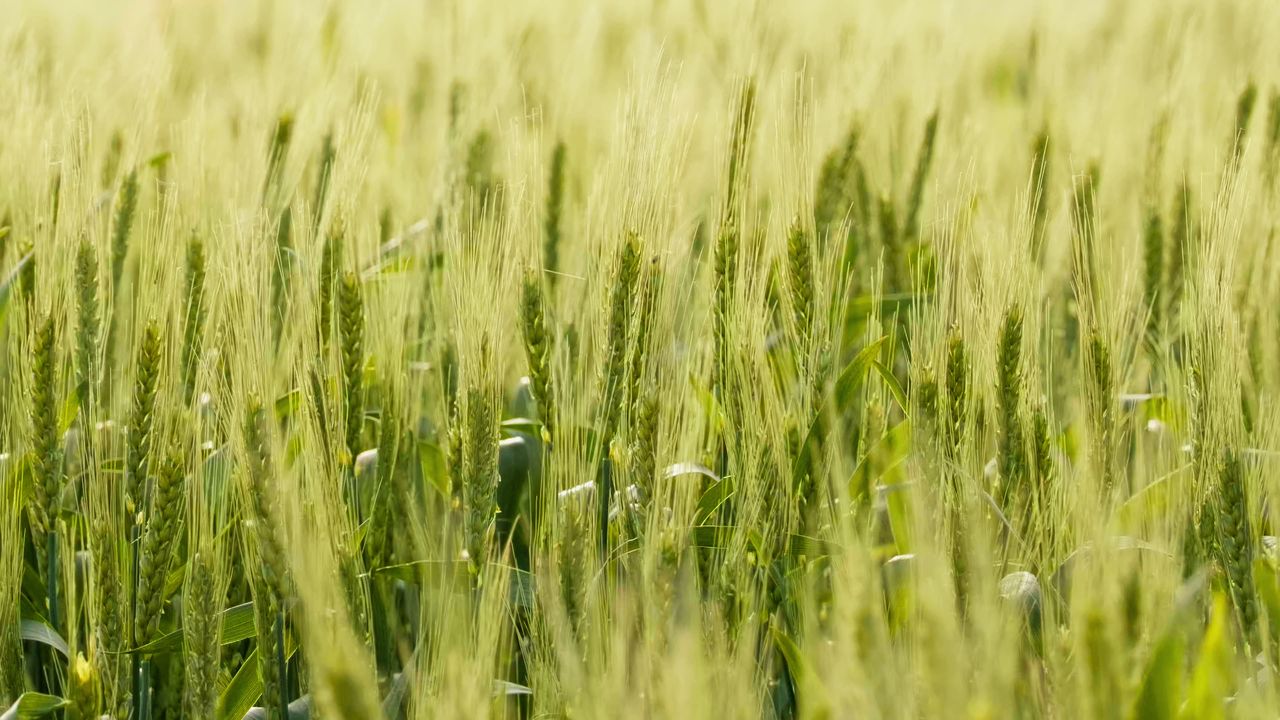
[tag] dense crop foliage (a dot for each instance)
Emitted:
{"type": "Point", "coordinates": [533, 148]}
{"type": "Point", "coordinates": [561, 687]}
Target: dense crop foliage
{"type": "Point", "coordinates": [613, 359]}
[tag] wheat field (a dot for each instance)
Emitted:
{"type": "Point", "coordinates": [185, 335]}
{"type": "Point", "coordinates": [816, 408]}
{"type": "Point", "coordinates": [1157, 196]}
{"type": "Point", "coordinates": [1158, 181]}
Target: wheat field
{"type": "Point", "coordinates": [639, 359]}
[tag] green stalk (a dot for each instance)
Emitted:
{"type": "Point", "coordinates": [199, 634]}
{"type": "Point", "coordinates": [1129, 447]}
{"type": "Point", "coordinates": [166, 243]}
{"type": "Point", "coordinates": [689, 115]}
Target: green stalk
{"type": "Point", "coordinates": [142, 694]}
{"type": "Point", "coordinates": [281, 668]}
{"type": "Point", "coordinates": [51, 579]}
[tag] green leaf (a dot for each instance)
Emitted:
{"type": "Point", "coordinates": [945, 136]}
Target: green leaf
{"type": "Point", "coordinates": [69, 412]}
{"type": "Point", "coordinates": [173, 581]}
{"type": "Point", "coordinates": [898, 503]}
{"type": "Point", "coordinates": [243, 690]}
{"type": "Point", "coordinates": [6, 288]}
{"type": "Point", "coordinates": [810, 547]}
{"type": "Point", "coordinates": [1131, 546]}
{"type": "Point", "coordinates": [895, 387]}
{"type": "Point", "coordinates": [33, 705]}
{"type": "Point", "coordinates": [1154, 501]}
{"type": "Point", "coordinates": [892, 447]}
{"type": "Point", "coordinates": [431, 460]}
{"type": "Point", "coordinates": [887, 303]}
{"type": "Point", "coordinates": [710, 404]}
{"type": "Point", "coordinates": [711, 536]}
{"type": "Point", "coordinates": [1161, 691]}
{"type": "Point", "coordinates": [33, 586]}
{"type": "Point", "coordinates": [28, 609]}
{"type": "Point", "coordinates": [854, 374]}
{"type": "Point", "coordinates": [899, 577]}
{"type": "Point", "coordinates": [800, 466]}
{"type": "Point", "coordinates": [522, 425]}
{"type": "Point", "coordinates": [246, 687]}
{"type": "Point", "coordinates": [388, 266]}
{"type": "Point", "coordinates": [808, 684]}
{"type": "Point", "coordinates": [287, 404]}
{"type": "Point", "coordinates": [1268, 584]}
{"type": "Point", "coordinates": [522, 589]}
{"type": "Point", "coordinates": [1211, 680]}
{"type": "Point", "coordinates": [38, 631]}
{"type": "Point", "coordinates": [237, 625]}
{"type": "Point", "coordinates": [505, 687]}
{"type": "Point", "coordinates": [678, 470]}
{"type": "Point", "coordinates": [712, 499]}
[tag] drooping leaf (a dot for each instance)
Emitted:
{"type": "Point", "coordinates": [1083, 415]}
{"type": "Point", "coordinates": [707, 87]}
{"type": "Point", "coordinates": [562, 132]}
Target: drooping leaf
{"type": "Point", "coordinates": [1161, 692]}
{"type": "Point", "coordinates": [6, 287]}
{"type": "Point", "coordinates": [1267, 582]}
{"type": "Point", "coordinates": [682, 469]}
{"type": "Point", "coordinates": [431, 460]}
{"type": "Point", "coordinates": [33, 705]}
{"type": "Point", "coordinates": [287, 404]}
{"type": "Point", "coordinates": [854, 374]}
{"type": "Point", "coordinates": [1211, 679]}
{"type": "Point", "coordinates": [505, 687]}
{"type": "Point", "coordinates": [895, 387]}
{"type": "Point", "coordinates": [712, 499]}
{"type": "Point", "coordinates": [237, 625]}
{"type": "Point", "coordinates": [245, 688]}
{"type": "Point", "coordinates": [299, 709]}
{"type": "Point", "coordinates": [808, 684]}
{"type": "Point", "coordinates": [1154, 501]}
{"type": "Point", "coordinates": [38, 631]}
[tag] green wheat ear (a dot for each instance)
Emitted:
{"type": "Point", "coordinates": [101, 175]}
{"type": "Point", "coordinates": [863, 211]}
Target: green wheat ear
{"type": "Point", "coordinates": [122, 227]}
{"type": "Point", "coordinates": [202, 631]}
{"type": "Point", "coordinates": [552, 230]}
{"type": "Point", "coordinates": [87, 323]}
{"type": "Point", "coordinates": [351, 327]}
{"type": "Point", "coordinates": [739, 151]}
{"type": "Point", "coordinates": [800, 284]}
{"type": "Point", "coordinates": [726, 269]}
{"type": "Point", "coordinates": [111, 163]}
{"type": "Point", "coordinates": [141, 421]}
{"type": "Point", "coordinates": [1040, 155]}
{"type": "Point", "coordinates": [1100, 397]}
{"type": "Point", "coordinates": [281, 272]}
{"type": "Point", "coordinates": [277, 151]}
{"type": "Point", "coordinates": [620, 300]}
{"type": "Point", "coordinates": [479, 459]}
{"type": "Point", "coordinates": [957, 393]}
{"type": "Point", "coordinates": [481, 178]}
{"type": "Point", "coordinates": [538, 346]}
{"type": "Point", "coordinates": [835, 193]}
{"type": "Point", "coordinates": [643, 450]}
{"type": "Point", "coordinates": [1236, 538]}
{"type": "Point", "coordinates": [27, 276]}
{"type": "Point", "coordinates": [1244, 113]}
{"type": "Point", "coordinates": [45, 441]}
{"type": "Point", "coordinates": [1273, 137]}
{"type": "Point", "coordinates": [1181, 239]}
{"type": "Point", "coordinates": [1041, 441]}
{"type": "Point", "coordinates": [330, 258]}
{"type": "Point", "coordinates": [1153, 256]}
{"type": "Point", "coordinates": [158, 545]}
{"type": "Point", "coordinates": [264, 504]}
{"type": "Point", "coordinates": [1012, 452]}
{"type": "Point", "coordinates": [641, 333]}
{"type": "Point", "coordinates": [390, 492]}
{"type": "Point", "coordinates": [126, 207]}
{"type": "Point", "coordinates": [915, 197]}
{"type": "Point", "coordinates": [193, 322]}
{"type": "Point", "coordinates": [328, 156]}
